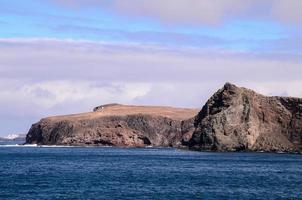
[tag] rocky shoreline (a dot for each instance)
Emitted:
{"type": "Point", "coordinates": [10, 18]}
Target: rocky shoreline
{"type": "Point", "coordinates": [233, 119]}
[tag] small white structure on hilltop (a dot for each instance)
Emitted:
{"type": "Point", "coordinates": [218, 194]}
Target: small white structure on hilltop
{"type": "Point", "coordinates": [102, 107]}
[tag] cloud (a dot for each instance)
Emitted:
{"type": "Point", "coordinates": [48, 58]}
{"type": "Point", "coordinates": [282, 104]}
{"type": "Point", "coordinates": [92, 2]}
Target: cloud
{"type": "Point", "coordinates": [41, 77]}
{"type": "Point", "coordinates": [44, 16]}
{"type": "Point", "coordinates": [188, 11]}
{"type": "Point", "coordinates": [277, 88]}
{"type": "Point", "coordinates": [146, 37]}
{"type": "Point", "coordinates": [51, 95]}
{"type": "Point", "coordinates": [250, 40]}
{"type": "Point", "coordinates": [52, 59]}
{"type": "Point", "coordinates": [292, 45]}
{"type": "Point", "coordinates": [183, 10]}
{"type": "Point", "coordinates": [24, 102]}
{"type": "Point", "coordinates": [199, 11]}
{"type": "Point", "coordinates": [287, 11]}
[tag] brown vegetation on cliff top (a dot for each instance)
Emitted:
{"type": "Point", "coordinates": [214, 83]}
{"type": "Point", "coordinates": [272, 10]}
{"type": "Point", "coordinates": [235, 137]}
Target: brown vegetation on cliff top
{"type": "Point", "coordinates": [123, 110]}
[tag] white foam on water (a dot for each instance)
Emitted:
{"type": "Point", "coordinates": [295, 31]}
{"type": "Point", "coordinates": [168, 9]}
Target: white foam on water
{"type": "Point", "coordinates": [57, 146]}
{"type": "Point", "coordinates": [29, 145]}
{"type": "Point", "coordinates": [35, 145]}
{"type": "Point", "coordinates": [18, 145]}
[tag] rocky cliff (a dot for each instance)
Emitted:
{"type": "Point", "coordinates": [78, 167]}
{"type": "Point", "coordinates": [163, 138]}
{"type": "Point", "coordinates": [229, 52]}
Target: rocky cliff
{"type": "Point", "coordinates": [240, 119]}
{"type": "Point", "coordinates": [117, 125]}
{"type": "Point", "coordinates": [233, 119]}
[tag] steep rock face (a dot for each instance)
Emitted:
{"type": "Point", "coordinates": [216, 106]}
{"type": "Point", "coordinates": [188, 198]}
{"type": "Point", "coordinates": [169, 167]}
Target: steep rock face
{"type": "Point", "coordinates": [117, 125]}
{"type": "Point", "coordinates": [240, 119]}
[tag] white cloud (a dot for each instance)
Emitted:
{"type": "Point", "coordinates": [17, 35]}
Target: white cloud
{"type": "Point", "coordinates": [41, 60]}
{"type": "Point", "coordinates": [277, 88]}
{"type": "Point", "coordinates": [287, 10]}
{"type": "Point", "coordinates": [51, 95]}
{"type": "Point", "coordinates": [49, 77]}
{"type": "Point", "coordinates": [199, 11]}
{"type": "Point", "coordinates": [193, 11]}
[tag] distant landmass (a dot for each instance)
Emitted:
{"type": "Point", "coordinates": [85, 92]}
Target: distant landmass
{"type": "Point", "coordinates": [233, 119]}
{"type": "Point", "coordinates": [14, 137]}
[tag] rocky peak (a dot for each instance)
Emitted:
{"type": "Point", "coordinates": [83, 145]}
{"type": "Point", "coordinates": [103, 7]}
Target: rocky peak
{"type": "Point", "coordinates": [222, 99]}
{"type": "Point", "coordinates": [236, 118]}
{"type": "Point", "coordinates": [229, 86]}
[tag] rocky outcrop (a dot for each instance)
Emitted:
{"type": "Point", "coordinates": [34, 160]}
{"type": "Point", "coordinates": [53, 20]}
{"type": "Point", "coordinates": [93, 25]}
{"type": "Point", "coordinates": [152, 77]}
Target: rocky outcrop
{"type": "Point", "coordinates": [117, 125]}
{"type": "Point", "coordinates": [233, 119]}
{"type": "Point", "coordinates": [236, 119]}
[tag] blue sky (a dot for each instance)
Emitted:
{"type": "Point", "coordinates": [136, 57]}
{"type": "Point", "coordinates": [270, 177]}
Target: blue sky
{"type": "Point", "coordinates": [48, 19]}
{"type": "Point", "coordinates": [63, 56]}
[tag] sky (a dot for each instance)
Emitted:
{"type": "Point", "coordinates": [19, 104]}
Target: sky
{"type": "Point", "coordinates": [68, 56]}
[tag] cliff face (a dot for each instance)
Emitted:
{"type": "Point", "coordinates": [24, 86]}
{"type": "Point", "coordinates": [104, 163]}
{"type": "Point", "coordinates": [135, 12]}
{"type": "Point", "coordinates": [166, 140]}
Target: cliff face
{"type": "Point", "coordinates": [239, 119]}
{"type": "Point", "coordinates": [117, 125]}
{"type": "Point", "coordinates": [233, 119]}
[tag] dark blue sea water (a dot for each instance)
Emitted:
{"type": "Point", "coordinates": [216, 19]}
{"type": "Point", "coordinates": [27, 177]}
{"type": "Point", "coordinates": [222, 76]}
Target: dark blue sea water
{"type": "Point", "coordinates": [147, 173]}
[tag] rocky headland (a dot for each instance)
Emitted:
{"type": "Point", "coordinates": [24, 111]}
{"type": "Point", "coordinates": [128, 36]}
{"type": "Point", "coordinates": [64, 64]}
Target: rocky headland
{"type": "Point", "coordinates": [233, 119]}
{"type": "Point", "coordinates": [117, 125]}
{"type": "Point", "coordinates": [237, 119]}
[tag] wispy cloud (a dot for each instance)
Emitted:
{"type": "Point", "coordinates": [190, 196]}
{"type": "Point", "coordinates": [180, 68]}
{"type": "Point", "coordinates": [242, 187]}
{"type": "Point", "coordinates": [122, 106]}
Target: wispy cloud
{"type": "Point", "coordinates": [290, 45]}
{"type": "Point", "coordinates": [40, 77]}
{"type": "Point", "coordinates": [146, 37]}
{"type": "Point", "coordinates": [58, 59]}
{"type": "Point", "coordinates": [67, 56]}
{"type": "Point", "coordinates": [45, 16]}
{"type": "Point", "coordinates": [200, 11]}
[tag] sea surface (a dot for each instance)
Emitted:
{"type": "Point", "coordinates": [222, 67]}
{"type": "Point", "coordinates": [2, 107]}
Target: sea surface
{"type": "Point", "coordinates": [145, 173]}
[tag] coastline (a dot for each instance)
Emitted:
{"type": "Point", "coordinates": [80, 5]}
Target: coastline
{"type": "Point", "coordinates": [146, 147]}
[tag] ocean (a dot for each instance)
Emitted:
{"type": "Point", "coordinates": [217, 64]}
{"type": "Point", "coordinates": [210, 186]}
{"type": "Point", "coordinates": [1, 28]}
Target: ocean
{"type": "Point", "coordinates": [145, 173]}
